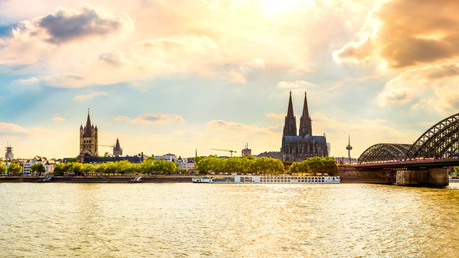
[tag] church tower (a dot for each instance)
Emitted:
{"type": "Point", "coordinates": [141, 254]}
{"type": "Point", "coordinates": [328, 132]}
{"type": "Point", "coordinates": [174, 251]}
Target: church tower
{"type": "Point", "coordinates": [305, 120]}
{"type": "Point", "coordinates": [290, 121]}
{"type": "Point", "coordinates": [88, 140]}
{"type": "Point", "coordinates": [117, 151]}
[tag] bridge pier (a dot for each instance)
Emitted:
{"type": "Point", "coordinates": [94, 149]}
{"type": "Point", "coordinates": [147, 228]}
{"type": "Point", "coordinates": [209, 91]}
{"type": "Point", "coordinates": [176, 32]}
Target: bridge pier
{"type": "Point", "coordinates": [430, 177]}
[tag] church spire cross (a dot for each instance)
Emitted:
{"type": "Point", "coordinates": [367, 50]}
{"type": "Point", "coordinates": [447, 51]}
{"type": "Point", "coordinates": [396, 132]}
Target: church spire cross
{"type": "Point", "coordinates": [305, 120]}
{"type": "Point", "coordinates": [290, 120]}
{"type": "Point", "coordinates": [290, 106]}
{"type": "Point", "coordinates": [87, 129]}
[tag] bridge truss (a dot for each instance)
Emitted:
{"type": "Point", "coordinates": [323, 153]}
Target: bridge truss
{"type": "Point", "coordinates": [441, 140]}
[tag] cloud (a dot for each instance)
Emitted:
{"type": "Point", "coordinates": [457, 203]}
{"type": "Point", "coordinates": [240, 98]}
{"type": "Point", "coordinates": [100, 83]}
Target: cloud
{"type": "Point", "coordinates": [143, 60]}
{"type": "Point", "coordinates": [158, 118]}
{"type": "Point", "coordinates": [244, 129]}
{"type": "Point", "coordinates": [277, 116]}
{"type": "Point", "coordinates": [432, 87]}
{"type": "Point", "coordinates": [48, 37]}
{"type": "Point", "coordinates": [58, 119]}
{"type": "Point", "coordinates": [403, 34]}
{"type": "Point", "coordinates": [294, 84]}
{"type": "Point", "coordinates": [9, 129]}
{"type": "Point", "coordinates": [121, 118]}
{"type": "Point", "coordinates": [64, 25]}
{"type": "Point", "coordinates": [89, 96]}
{"type": "Point", "coordinates": [394, 96]}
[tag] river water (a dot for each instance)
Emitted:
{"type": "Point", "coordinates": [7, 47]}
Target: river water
{"type": "Point", "coordinates": [196, 220]}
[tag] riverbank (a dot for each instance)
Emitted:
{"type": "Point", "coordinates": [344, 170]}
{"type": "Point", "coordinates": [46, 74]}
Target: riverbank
{"type": "Point", "coordinates": [154, 179]}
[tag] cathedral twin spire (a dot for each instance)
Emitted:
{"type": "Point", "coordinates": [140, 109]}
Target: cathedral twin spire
{"type": "Point", "coordinates": [290, 120]}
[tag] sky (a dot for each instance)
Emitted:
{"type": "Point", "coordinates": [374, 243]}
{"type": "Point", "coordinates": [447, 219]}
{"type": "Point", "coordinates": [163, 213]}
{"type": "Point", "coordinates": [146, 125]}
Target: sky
{"type": "Point", "coordinates": [171, 76]}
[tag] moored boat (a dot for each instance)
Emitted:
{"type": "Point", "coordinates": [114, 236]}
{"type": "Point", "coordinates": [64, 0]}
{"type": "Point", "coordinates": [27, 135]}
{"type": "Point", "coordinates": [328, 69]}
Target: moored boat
{"type": "Point", "coordinates": [268, 179]}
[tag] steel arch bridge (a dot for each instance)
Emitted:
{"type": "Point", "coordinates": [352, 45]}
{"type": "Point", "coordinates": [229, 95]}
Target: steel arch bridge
{"type": "Point", "coordinates": [384, 152]}
{"type": "Point", "coordinates": [441, 140]}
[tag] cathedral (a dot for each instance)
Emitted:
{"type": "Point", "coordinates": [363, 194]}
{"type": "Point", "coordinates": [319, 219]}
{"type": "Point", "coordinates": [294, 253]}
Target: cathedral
{"type": "Point", "coordinates": [303, 144]}
{"type": "Point", "coordinates": [88, 141]}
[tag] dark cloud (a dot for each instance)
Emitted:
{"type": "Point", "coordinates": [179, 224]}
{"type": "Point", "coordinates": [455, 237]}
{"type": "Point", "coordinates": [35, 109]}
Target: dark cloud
{"type": "Point", "coordinates": [64, 25]}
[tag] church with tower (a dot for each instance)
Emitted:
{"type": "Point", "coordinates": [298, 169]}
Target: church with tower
{"type": "Point", "coordinates": [88, 140]}
{"type": "Point", "coordinates": [301, 143]}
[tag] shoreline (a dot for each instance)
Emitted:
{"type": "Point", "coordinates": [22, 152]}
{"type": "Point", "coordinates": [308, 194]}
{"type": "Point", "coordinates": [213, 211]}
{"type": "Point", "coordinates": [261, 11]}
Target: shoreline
{"type": "Point", "coordinates": [158, 179]}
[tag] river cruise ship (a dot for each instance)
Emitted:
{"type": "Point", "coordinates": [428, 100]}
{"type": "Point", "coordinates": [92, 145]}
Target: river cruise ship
{"type": "Point", "coordinates": [267, 179]}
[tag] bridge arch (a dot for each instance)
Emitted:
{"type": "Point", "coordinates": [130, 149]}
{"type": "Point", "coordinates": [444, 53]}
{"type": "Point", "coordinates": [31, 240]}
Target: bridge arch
{"type": "Point", "coordinates": [385, 152]}
{"type": "Point", "coordinates": [440, 140]}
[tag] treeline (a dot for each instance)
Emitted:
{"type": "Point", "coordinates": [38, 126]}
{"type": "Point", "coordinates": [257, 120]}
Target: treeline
{"type": "Point", "coordinates": [315, 165]}
{"type": "Point", "coordinates": [247, 164]}
{"type": "Point", "coordinates": [149, 165]}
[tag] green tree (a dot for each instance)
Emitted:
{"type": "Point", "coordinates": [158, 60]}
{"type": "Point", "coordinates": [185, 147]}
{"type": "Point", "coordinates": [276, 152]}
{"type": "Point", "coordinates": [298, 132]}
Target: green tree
{"type": "Point", "coordinates": [73, 160]}
{"type": "Point", "coordinates": [3, 169]}
{"type": "Point", "coordinates": [89, 168]}
{"type": "Point", "coordinates": [37, 168]}
{"type": "Point", "coordinates": [330, 165]}
{"type": "Point", "coordinates": [315, 164]}
{"type": "Point", "coordinates": [106, 154]}
{"type": "Point", "coordinates": [59, 169]}
{"type": "Point", "coordinates": [14, 168]}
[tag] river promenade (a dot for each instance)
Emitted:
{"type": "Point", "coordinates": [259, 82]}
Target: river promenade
{"type": "Point", "coordinates": [155, 179]}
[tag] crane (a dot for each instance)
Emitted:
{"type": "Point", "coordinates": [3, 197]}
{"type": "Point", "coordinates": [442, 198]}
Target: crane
{"type": "Point", "coordinates": [111, 146]}
{"type": "Point", "coordinates": [230, 151]}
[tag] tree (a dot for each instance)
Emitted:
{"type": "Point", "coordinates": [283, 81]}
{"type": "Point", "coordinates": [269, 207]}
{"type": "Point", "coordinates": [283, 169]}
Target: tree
{"type": "Point", "coordinates": [106, 154]}
{"type": "Point", "coordinates": [73, 160]}
{"type": "Point", "coordinates": [330, 165]}
{"type": "Point", "coordinates": [315, 164]}
{"type": "Point", "coordinates": [37, 168]}
{"type": "Point", "coordinates": [14, 168]}
{"type": "Point", "coordinates": [59, 169]}
{"type": "Point", "coordinates": [3, 169]}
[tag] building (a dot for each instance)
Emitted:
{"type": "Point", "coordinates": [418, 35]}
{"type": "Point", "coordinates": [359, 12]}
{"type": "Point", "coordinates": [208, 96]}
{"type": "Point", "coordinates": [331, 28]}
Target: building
{"type": "Point", "coordinates": [181, 163]}
{"type": "Point", "coordinates": [167, 157]}
{"type": "Point", "coordinates": [303, 144]}
{"type": "Point", "coordinates": [26, 167]}
{"type": "Point", "coordinates": [117, 151]}
{"type": "Point", "coordinates": [88, 141]}
{"type": "Point", "coordinates": [246, 151]}
{"type": "Point", "coordinates": [190, 165]}
{"type": "Point", "coordinates": [298, 145]}
{"type": "Point", "coordinates": [9, 152]}
{"type": "Point", "coordinates": [345, 160]}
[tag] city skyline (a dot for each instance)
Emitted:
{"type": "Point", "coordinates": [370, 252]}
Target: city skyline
{"type": "Point", "coordinates": [173, 76]}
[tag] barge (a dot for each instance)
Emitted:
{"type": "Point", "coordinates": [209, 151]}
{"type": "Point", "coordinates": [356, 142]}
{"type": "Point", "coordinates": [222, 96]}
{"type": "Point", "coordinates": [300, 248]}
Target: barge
{"type": "Point", "coordinates": [267, 179]}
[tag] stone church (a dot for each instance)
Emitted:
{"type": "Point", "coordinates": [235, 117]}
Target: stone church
{"type": "Point", "coordinates": [303, 144]}
{"type": "Point", "coordinates": [88, 140]}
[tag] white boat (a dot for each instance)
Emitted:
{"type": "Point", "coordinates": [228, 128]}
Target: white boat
{"type": "Point", "coordinates": [268, 179]}
{"type": "Point", "coordinates": [203, 179]}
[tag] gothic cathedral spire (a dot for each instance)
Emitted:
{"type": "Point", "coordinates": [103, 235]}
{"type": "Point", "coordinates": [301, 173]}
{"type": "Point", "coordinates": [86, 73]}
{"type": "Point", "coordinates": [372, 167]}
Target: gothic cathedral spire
{"type": "Point", "coordinates": [290, 121]}
{"type": "Point", "coordinates": [305, 120]}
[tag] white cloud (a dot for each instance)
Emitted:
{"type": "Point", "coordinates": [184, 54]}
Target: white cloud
{"type": "Point", "coordinates": [58, 119]}
{"type": "Point", "coordinates": [277, 116]}
{"type": "Point", "coordinates": [158, 118]}
{"type": "Point", "coordinates": [295, 84]}
{"type": "Point", "coordinates": [89, 96]}
{"type": "Point", "coordinates": [121, 118]}
{"type": "Point", "coordinates": [239, 128]}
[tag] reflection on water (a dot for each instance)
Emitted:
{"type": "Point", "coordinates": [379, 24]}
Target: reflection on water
{"type": "Point", "coordinates": [169, 220]}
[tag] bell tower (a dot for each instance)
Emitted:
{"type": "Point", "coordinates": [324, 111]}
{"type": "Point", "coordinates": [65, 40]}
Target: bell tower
{"type": "Point", "coordinates": [88, 140]}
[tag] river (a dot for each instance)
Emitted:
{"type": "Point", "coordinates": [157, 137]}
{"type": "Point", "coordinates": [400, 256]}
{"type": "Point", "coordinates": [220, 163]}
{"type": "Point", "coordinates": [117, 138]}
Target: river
{"type": "Point", "coordinates": [196, 220]}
